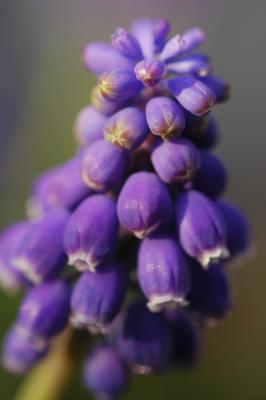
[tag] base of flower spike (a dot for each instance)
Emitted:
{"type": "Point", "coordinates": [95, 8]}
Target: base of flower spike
{"type": "Point", "coordinates": [27, 268]}
{"type": "Point", "coordinates": [167, 301]}
{"type": "Point", "coordinates": [83, 262]}
{"type": "Point", "coordinates": [212, 256]}
{"type": "Point", "coordinates": [81, 321]}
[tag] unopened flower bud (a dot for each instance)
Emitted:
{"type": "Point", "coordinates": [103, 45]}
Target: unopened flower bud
{"type": "Point", "coordinates": [192, 94]}
{"type": "Point", "coordinates": [144, 204]}
{"type": "Point", "coordinates": [163, 272]}
{"type": "Point", "coordinates": [219, 86]}
{"type": "Point", "coordinates": [89, 126]}
{"type": "Point", "coordinates": [104, 166]}
{"type": "Point", "coordinates": [98, 296]}
{"type": "Point", "coordinates": [92, 232]}
{"type": "Point", "coordinates": [149, 72]}
{"type": "Point", "coordinates": [105, 372]}
{"type": "Point", "coordinates": [201, 228]}
{"type": "Point", "coordinates": [176, 161]}
{"type": "Point", "coordinates": [40, 255]}
{"type": "Point", "coordinates": [210, 292]}
{"type": "Point", "coordinates": [144, 339]}
{"type": "Point", "coordinates": [10, 239]}
{"type": "Point", "coordinates": [165, 117]}
{"type": "Point", "coordinates": [19, 354]}
{"type": "Point", "coordinates": [127, 128]}
{"type": "Point", "coordinates": [238, 236]}
{"type": "Point", "coordinates": [59, 187]}
{"type": "Point", "coordinates": [126, 44]}
{"type": "Point", "coordinates": [119, 85]}
{"type": "Point", "coordinates": [44, 311]}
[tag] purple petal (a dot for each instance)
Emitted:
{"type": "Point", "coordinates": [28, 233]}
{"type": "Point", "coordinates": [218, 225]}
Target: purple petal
{"type": "Point", "coordinates": [101, 57]}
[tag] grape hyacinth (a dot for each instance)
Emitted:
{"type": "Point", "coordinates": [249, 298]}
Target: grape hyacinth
{"type": "Point", "coordinates": [130, 239]}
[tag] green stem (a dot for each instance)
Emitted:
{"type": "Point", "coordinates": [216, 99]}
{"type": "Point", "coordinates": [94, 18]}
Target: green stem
{"type": "Point", "coordinates": [50, 379]}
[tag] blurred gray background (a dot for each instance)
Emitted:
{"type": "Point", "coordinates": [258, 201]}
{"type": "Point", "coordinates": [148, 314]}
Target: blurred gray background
{"type": "Point", "coordinates": [42, 87]}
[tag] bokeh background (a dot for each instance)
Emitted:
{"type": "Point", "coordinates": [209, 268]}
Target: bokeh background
{"type": "Point", "coordinates": [42, 87]}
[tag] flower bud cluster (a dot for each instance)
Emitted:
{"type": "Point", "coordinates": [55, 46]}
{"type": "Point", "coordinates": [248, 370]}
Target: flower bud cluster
{"type": "Point", "coordinates": [135, 212]}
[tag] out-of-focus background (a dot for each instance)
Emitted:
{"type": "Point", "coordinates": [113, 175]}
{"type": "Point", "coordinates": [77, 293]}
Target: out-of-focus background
{"type": "Point", "coordinates": [42, 87]}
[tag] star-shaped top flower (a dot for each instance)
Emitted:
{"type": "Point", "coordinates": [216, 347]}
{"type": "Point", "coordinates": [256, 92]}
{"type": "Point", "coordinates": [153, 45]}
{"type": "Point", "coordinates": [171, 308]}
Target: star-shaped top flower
{"type": "Point", "coordinates": [143, 62]}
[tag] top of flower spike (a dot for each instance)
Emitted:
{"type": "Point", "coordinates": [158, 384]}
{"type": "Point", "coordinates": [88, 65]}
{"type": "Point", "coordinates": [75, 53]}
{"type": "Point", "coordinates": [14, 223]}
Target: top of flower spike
{"type": "Point", "coordinates": [146, 57]}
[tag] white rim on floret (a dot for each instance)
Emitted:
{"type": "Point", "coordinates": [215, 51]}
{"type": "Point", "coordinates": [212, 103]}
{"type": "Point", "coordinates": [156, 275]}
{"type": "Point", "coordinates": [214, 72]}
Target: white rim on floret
{"type": "Point", "coordinates": [213, 256]}
{"type": "Point", "coordinates": [166, 301]}
{"type": "Point", "coordinates": [83, 261]}
{"type": "Point", "coordinates": [81, 321]}
{"type": "Point", "coordinates": [28, 269]}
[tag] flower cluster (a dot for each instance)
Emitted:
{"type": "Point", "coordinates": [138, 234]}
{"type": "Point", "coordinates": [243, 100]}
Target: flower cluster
{"type": "Point", "coordinates": [136, 213]}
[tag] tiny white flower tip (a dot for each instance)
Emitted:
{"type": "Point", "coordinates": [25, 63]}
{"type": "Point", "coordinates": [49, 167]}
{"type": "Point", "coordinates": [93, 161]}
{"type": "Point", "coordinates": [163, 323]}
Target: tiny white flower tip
{"type": "Point", "coordinates": [27, 268]}
{"type": "Point", "coordinates": [167, 301]}
{"type": "Point", "coordinates": [82, 262]}
{"type": "Point", "coordinates": [81, 321]}
{"type": "Point", "coordinates": [213, 256]}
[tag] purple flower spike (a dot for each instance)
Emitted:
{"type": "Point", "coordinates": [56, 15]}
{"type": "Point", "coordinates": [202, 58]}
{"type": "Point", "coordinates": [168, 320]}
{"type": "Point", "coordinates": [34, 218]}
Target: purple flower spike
{"type": "Point", "coordinates": [238, 237]}
{"type": "Point", "coordinates": [149, 72]}
{"type": "Point", "coordinates": [197, 64]}
{"type": "Point", "coordinates": [127, 128]}
{"type": "Point", "coordinates": [19, 354]}
{"type": "Point", "coordinates": [98, 296]}
{"type": "Point", "coordinates": [201, 228]}
{"type": "Point", "coordinates": [163, 272]}
{"type": "Point", "coordinates": [220, 87]}
{"type": "Point", "coordinates": [101, 57]}
{"type": "Point", "coordinates": [105, 372]}
{"type": "Point", "coordinates": [89, 126]}
{"type": "Point", "coordinates": [144, 204]}
{"type": "Point", "coordinates": [45, 311]}
{"type": "Point", "coordinates": [126, 44]}
{"type": "Point", "coordinates": [41, 256]}
{"type": "Point", "coordinates": [144, 339]}
{"type": "Point", "coordinates": [103, 166]}
{"type": "Point", "coordinates": [92, 232]}
{"type": "Point", "coordinates": [59, 187]}
{"type": "Point", "coordinates": [119, 85]}
{"type": "Point", "coordinates": [211, 178]}
{"type": "Point", "coordinates": [10, 239]}
{"type": "Point", "coordinates": [165, 117]}
{"type": "Point", "coordinates": [210, 293]}
{"type": "Point", "coordinates": [192, 94]}
{"type": "Point", "coordinates": [176, 161]}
